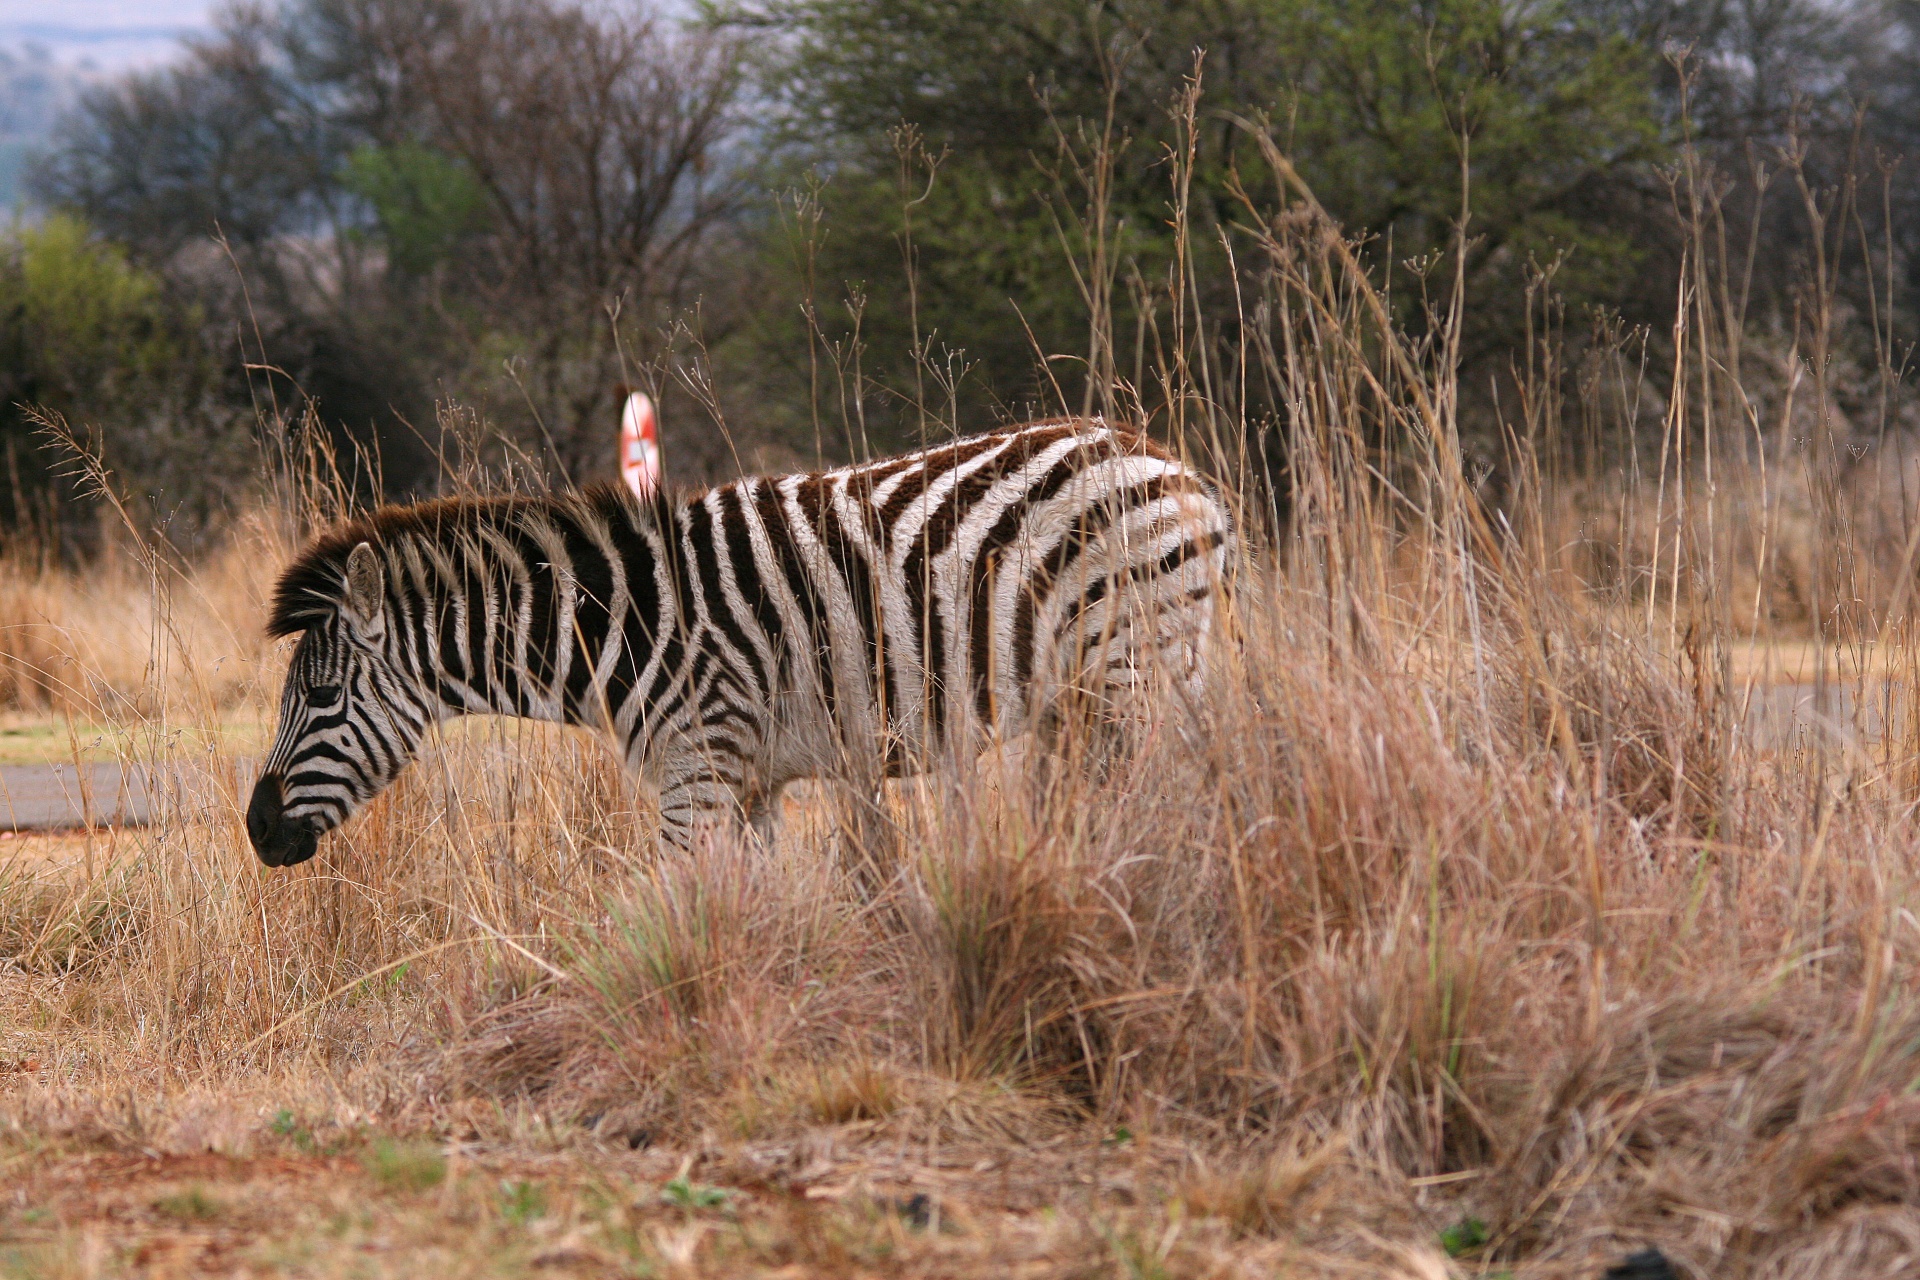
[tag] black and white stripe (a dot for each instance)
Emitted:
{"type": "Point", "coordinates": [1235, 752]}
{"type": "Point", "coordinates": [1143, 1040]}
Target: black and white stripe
{"type": "Point", "coordinates": [732, 641]}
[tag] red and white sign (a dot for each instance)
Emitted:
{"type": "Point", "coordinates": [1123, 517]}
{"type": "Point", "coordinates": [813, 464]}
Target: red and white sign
{"type": "Point", "coordinates": [640, 445]}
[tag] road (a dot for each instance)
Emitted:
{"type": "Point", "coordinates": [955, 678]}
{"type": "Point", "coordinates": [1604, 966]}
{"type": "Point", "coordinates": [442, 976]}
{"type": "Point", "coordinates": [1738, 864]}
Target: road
{"type": "Point", "coordinates": [60, 797]}
{"type": "Point", "coordinates": [1790, 717]}
{"type": "Point", "coordinates": [55, 797]}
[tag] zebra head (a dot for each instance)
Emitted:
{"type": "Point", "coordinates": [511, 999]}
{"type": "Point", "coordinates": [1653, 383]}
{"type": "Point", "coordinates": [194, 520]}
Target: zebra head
{"type": "Point", "coordinates": [349, 718]}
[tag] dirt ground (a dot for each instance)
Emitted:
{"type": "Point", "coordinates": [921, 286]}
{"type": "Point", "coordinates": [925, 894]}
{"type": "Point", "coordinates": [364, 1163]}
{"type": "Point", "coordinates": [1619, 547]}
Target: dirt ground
{"type": "Point", "coordinates": [843, 1202]}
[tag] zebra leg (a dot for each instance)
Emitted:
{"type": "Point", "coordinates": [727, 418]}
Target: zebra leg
{"type": "Point", "coordinates": [701, 793]}
{"type": "Point", "coordinates": [1079, 737]}
{"type": "Point", "coordinates": [1147, 668]}
{"type": "Point", "coordinates": [761, 809]}
{"type": "Point", "coordinates": [866, 835]}
{"type": "Point", "coordinates": [1082, 729]}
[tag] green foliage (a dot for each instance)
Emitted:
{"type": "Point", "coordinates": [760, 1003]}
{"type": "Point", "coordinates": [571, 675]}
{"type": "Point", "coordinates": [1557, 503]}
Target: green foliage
{"type": "Point", "coordinates": [405, 1166]}
{"type": "Point", "coordinates": [690, 1196]}
{"type": "Point", "coordinates": [1383, 106]}
{"type": "Point", "coordinates": [1464, 1236]}
{"type": "Point", "coordinates": [382, 985]}
{"type": "Point", "coordinates": [289, 1126]}
{"type": "Point", "coordinates": [535, 162]}
{"type": "Point", "coordinates": [1373, 98]}
{"type": "Point", "coordinates": [190, 1205]}
{"type": "Point", "coordinates": [90, 335]}
{"type": "Point", "coordinates": [424, 201]}
{"type": "Point", "coordinates": [1384, 102]}
{"type": "Point", "coordinates": [82, 323]}
{"type": "Point", "coordinates": [522, 1202]}
{"type": "Point", "coordinates": [661, 952]}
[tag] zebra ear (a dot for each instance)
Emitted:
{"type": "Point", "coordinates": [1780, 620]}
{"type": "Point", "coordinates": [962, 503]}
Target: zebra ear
{"type": "Point", "coordinates": [366, 592]}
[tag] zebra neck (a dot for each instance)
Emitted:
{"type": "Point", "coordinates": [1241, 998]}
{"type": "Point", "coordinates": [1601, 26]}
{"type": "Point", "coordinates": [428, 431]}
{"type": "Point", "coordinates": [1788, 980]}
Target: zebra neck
{"type": "Point", "coordinates": [593, 634]}
{"type": "Point", "coordinates": [567, 610]}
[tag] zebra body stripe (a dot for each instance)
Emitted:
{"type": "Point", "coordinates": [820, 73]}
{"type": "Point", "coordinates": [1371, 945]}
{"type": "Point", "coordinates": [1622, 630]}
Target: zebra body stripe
{"type": "Point", "coordinates": [840, 622]}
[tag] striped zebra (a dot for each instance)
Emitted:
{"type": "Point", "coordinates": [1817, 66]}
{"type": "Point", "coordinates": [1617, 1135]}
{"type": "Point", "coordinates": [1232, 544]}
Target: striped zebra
{"type": "Point", "coordinates": [835, 624]}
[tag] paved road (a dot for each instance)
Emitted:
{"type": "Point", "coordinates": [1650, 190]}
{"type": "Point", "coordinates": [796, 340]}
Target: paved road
{"type": "Point", "coordinates": [61, 797]}
{"type": "Point", "coordinates": [1787, 717]}
{"type": "Point", "coordinates": [38, 797]}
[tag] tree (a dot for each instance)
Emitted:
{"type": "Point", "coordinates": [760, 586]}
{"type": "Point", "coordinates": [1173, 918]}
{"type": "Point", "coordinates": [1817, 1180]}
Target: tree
{"type": "Point", "coordinates": [598, 141]}
{"type": "Point", "coordinates": [1383, 105]}
{"type": "Point", "coordinates": [86, 334]}
{"type": "Point", "coordinates": [421, 194]}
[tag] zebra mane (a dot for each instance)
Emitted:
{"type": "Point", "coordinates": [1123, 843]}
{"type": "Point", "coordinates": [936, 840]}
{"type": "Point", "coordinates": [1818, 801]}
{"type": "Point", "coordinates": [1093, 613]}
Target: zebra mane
{"type": "Point", "coordinates": [312, 588]}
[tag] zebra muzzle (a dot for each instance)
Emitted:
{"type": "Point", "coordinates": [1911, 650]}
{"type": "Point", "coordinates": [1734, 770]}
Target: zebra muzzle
{"type": "Point", "coordinates": [277, 842]}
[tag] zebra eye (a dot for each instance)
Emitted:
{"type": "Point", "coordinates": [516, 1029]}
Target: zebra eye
{"type": "Point", "coordinates": [323, 695]}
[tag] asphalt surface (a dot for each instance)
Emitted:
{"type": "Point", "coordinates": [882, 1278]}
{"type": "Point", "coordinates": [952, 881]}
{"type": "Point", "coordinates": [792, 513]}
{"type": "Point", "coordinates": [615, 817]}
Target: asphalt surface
{"type": "Point", "coordinates": [1791, 717]}
{"type": "Point", "coordinates": [58, 797]}
{"type": "Point", "coordinates": [61, 797]}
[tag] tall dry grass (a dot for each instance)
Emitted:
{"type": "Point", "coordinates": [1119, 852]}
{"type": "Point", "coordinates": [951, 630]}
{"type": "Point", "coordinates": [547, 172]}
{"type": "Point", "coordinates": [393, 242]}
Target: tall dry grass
{"type": "Point", "coordinates": [1465, 895]}
{"type": "Point", "coordinates": [111, 642]}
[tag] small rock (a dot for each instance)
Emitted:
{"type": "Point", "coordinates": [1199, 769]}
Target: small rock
{"type": "Point", "coordinates": [1648, 1264]}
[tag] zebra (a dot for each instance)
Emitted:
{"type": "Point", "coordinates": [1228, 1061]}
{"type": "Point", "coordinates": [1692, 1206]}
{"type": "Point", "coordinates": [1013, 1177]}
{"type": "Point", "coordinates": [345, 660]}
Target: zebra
{"type": "Point", "coordinates": [733, 640]}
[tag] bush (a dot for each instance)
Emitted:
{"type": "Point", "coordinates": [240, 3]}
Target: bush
{"type": "Point", "coordinates": [95, 339]}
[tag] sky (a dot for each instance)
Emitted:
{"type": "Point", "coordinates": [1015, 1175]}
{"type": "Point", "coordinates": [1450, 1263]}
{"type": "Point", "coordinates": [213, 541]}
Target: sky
{"type": "Point", "coordinates": [111, 35]}
{"type": "Point", "coordinates": [51, 49]}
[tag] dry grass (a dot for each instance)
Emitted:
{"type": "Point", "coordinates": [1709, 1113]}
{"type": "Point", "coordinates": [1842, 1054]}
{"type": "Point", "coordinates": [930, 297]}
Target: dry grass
{"type": "Point", "coordinates": [1377, 958]}
{"type": "Point", "coordinates": [121, 643]}
{"type": "Point", "coordinates": [1458, 920]}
